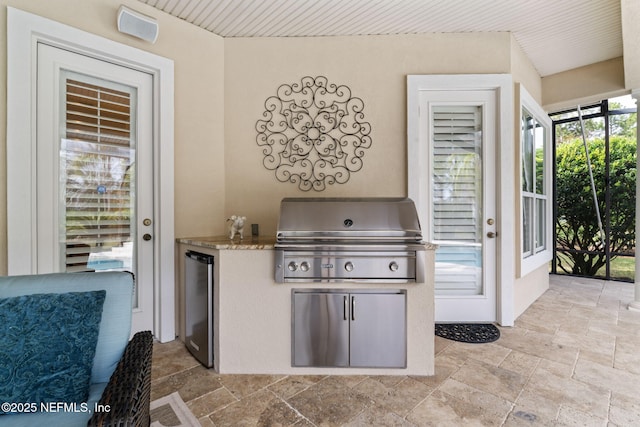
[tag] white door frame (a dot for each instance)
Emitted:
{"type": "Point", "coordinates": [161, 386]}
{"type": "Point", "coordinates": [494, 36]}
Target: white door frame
{"type": "Point", "coordinates": [24, 32]}
{"type": "Point", "coordinates": [505, 191]}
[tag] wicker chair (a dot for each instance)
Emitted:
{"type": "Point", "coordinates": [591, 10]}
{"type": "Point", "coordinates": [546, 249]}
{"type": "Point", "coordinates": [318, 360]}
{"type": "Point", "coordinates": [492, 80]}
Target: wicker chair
{"type": "Point", "coordinates": [121, 370]}
{"type": "Point", "coordinates": [128, 393]}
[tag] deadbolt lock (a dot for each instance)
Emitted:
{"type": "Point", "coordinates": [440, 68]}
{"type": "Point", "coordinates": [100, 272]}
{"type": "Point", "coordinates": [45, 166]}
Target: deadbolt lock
{"type": "Point", "coordinates": [146, 222]}
{"type": "Point", "coordinates": [490, 221]}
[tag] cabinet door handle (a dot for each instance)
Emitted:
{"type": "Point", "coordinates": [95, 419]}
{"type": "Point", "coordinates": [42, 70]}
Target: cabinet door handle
{"type": "Point", "coordinates": [345, 307]}
{"type": "Point", "coordinates": [353, 308]}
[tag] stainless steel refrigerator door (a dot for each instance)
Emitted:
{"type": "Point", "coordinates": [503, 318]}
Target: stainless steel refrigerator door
{"type": "Point", "coordinates": [199, 306]}
{"type": "Point", "coordinates": [378, 330]}
{"type": "Point", "coordinates": [320, 329]}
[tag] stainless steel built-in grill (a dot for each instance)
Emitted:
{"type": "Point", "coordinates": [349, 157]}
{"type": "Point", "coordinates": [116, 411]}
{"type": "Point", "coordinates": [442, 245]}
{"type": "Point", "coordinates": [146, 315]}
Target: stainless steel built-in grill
{"type": "Point", "coordinates": [348, 239]}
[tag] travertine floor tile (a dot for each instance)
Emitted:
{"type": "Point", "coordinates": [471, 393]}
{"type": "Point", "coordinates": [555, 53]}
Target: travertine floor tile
{"type": "Point", "coordinates": [440, 344]}
{"type": "Point", "coordinates": [329, 402]}
{"type": "Point", "coordinates": [540, 345]}
{"type": "Point", "coordinates": [572, 417]}
{"type": "Point", "coordinates": [616, 380]}
{"type": "Point", "coordinates": [534, 408]}
{"type": "Point", "coordinates": [261, 408]}
{"type": "Point", "coordinates": [466, 393]}
{"type": "Point", "coordinates": [522, 363]}
{"type": "Point", "coordinates": [399, 399]}
{"type": "Point", "coordinates": [491, 379]}
{"type": "Point", "coordinates": [191, 383]}
{"type": "Point", "coordinates": [570, 392]}
{"type": "Point", "coordinates": [211, 402]}
{"type": "Point", "coordinates": [491, 353]}
{"type": "Point", "coordinates": [244, 385]}
{"type": "Point", "coordinates": [445, 366]}
{"type": "Point", "coordinates": [625, 410]}
{"type": "Point", "coordinates": [290, 386]}
{"type": "Point", "coordinates": [206, 422]}
{"type": "Point", "coordinates": [620, 328]}
{"type": "Point", "coordinates": [573, 358]}
{"type": "Point", "coordinates": [375, 416]}
{"type": "Point", "coordinates": [595, 342]}
{"type": "Point", "coordinates": [170, 358]}
{"type": "Point", "coordinates": [627, 354]}
{"type": "Point", "coordinates": [442, 409]}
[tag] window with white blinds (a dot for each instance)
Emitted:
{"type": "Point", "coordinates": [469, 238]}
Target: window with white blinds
{"type": "Point", "coordinates": [97, 162]}
{"type": "Point", "coordinates": [457, 197]}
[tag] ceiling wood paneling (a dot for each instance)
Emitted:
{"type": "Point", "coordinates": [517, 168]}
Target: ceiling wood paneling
{"type": "Point", "coordinates": [557, 35]}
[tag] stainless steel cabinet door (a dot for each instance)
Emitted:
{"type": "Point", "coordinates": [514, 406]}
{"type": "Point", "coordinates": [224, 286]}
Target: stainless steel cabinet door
{"type": "Point", "coordinates": [378, 330]}
{"type": "Point", "coordinates": [321, 329]}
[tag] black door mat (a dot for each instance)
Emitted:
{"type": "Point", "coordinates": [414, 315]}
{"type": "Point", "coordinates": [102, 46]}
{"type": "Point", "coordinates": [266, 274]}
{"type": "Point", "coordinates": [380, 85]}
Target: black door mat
{"type": "Point", "coordinates": [475, 333]}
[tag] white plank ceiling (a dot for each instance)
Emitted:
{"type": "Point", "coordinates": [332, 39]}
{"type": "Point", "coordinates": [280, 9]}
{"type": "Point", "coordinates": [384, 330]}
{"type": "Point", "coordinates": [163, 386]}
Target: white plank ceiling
{"type": "Point", "coordinates": [557, 35]}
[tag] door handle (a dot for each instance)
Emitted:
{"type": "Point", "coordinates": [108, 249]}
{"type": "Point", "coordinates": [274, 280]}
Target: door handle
{"type": "Point", "coordinates": [492, 235]}
{"type": "Point", "coordinates": [146, 237]}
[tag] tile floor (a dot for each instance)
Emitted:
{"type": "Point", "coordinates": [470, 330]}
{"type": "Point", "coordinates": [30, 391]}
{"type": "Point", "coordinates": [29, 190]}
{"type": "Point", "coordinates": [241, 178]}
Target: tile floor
{"type": "Point", "coordinates": [573, 358]}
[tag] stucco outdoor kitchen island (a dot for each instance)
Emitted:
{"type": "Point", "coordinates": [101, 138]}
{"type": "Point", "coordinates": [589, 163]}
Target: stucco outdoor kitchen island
{"type": "Point", "coordinates": [253, 313]}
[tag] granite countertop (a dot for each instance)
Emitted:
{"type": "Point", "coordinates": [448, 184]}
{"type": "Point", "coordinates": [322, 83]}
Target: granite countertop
{"type": "Point", "coordinates": [250, 242]}
{"type": "Point", "coordinates": [223, 242]}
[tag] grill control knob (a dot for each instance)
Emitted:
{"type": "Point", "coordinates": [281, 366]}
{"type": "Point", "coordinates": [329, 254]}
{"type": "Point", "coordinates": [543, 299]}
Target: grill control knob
{"type": "Point", "coordinates": [292, 266]}
{"type": "Point", "coordinates": [393, 266]}
{"type": "Point", "coordinates": [304, 266]}
{"type": "Point", "coordinates": [348, 266]}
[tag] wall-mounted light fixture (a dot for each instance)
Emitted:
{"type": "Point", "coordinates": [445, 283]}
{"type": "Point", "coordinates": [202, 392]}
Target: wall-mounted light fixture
{"type": "Point", "coordinates": [138, 25]}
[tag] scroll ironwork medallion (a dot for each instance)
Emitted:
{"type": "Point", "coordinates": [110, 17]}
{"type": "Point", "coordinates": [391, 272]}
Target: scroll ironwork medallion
{"type": "Point", "coordinates": [313, 133]}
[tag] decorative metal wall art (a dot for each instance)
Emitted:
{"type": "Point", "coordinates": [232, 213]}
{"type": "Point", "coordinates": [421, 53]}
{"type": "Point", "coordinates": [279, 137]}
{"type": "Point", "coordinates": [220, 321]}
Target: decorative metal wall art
{"type": "Point", "coordinates": [313, 133]}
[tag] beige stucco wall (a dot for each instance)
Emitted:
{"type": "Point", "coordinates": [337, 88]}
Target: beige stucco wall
{"type": "Point", "coordinates": [374, 68]}
{"type": "Point", "coordinates": [583, 85]}
{"type": "Point", "coordinates": [529, 288]}
{"type": "Point", "coordinates": [199, 103]}
{"type": "Point", "coordinates": [524, 72]}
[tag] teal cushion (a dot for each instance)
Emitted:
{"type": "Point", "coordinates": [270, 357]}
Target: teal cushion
{"type": "Point", "coordinates": [115, 328]}
{"type": "Point", "coordinates": [47, 346]}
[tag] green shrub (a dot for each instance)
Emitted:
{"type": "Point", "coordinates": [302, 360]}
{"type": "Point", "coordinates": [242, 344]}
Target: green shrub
{"type": "Point", "coordinates": [576, 225]}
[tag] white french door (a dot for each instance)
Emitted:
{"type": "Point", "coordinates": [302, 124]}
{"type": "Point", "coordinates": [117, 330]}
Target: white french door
{"type": "Point", "coordinates": [459, 131]}
{"type": "Point", "coordinates": [95, 171]}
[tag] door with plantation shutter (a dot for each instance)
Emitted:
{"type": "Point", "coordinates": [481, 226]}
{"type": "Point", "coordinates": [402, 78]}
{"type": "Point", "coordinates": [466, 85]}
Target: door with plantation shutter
{"type": "Point", "coordinates": [459, 129]}
{"type": "Point", "coordinates": [94, 171]}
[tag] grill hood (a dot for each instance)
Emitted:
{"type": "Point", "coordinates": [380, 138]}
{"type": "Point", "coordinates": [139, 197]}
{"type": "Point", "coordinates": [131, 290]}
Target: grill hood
{"type": "Point", "coordinates": [353, 219]}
